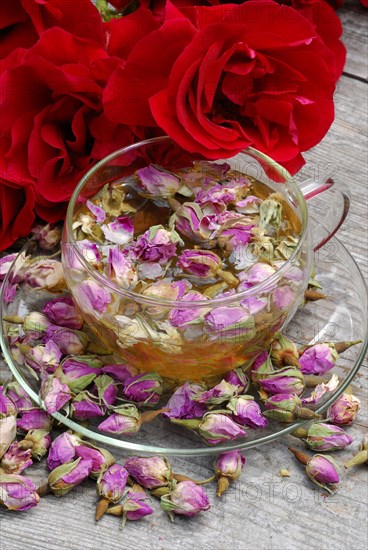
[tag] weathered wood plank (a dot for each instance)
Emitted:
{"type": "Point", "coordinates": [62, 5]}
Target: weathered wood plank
{"type": "Point", "coordinates": [354, 19]}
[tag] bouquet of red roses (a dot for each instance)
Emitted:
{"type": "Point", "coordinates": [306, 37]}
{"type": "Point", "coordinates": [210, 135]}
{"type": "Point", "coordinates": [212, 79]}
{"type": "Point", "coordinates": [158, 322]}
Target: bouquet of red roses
{"type": "Point", "coordinates": [78, 81]}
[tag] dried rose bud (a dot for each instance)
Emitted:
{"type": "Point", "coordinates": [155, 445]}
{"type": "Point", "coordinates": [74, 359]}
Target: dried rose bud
{"type": "Point", "coordinates": [70, 342]}
{"type": "Point", "coordinates": [120, 268]}
{"type": "Point", "coordinates": [94, 297]}
{"type": "Point", "coordinates": [40, 440]}
{"type": "Point", "coordinates": [235, 233]}
{"type": "Point", "coordinates": [84, 406]}
{"type": "Point", "coordinates": [166, 290]}
{"type": "Point", "coordinates": [361, 457]}
{"type": "Point", "coordinates": [249, 205]}
{"type": "Point", "coordinates": [8, 432]}
{"type": "Point", "coordinates": [261, 367]}
{"type": "Point", "coordinates": [20, 398]}
{"type": "Point", "coordinates": [186, 499]}
{"type": "Point", "coordinates": [230, 322]}
{"type": "Point", "coordinates": [188, 221]}
{"type": "Point", "coordinates": [89, 251]}
{"type": "Point", "coordinates": [214, 427]}
{"type": "Point", "coordinates": [135, 507]}
{"type": "Point", "coordinates": [125, 420]}
{"type": "Point", "coordinates": [106, 389]}
{"type": "Point", "coordinates": [35, 324]}
{"type": "Point", "coordinates": [150, 472]}
{"type": "Point", "coordinates": [46, 274]}
{"type": "Point", "coordinates": [35, 419]}
{"type": "Point", "coordinates": [44, 357]}
{"type": "Point", "coordinates": [179, 317]}
{"type": "Point", "coordinates": [7, 406]}
{"type": "Point", "coordinates": [283, 297]}
{"type": "Point", "coordinates": [5, 264]}
{"type": "Point", "coordinates": [154, 180]}
{"type": "Point", "coordinates": [98, 212]}
{"type": "Point", "coordinates": [80, 371]}
{"type": "Point", "coordinates": [17, 492]}
{"type": "Point", "coordinates": [120, 373]}
{"type": "Point", "coordinates": [63, 478]}
{"type": "Point", "coordinates": [220, 393]}
{"type": "Point", "coordinates": [318, 359]}
{"type": "Point", "coordinates": [238, 378]}
{"type": "Point", "coordinates": [284, 352]}
{"type": "Point", "coordinates": [48, 236]}
{"type": "Point", "coordinates": [62, 311]}
{"type": "Point", "coordinates": [286, 408]}
{"type": "Point", "coordinates": [182, 403]}
{"type": "Point", "coordinates": [345, 410]}
{"type": "Point", "coordinates": [228, 467]}
{"type": "Point", "coordinates": [144, 388]}
{"type": "Point", "coordinates": [111, 483]}
{"type": "Point", "coordinates": [247, 412]}
{"type": "Point", "coordinates": [256, 274]}
{"type": "Point", "coordinates": [285, 380]}
{"type": "Point", "coordinates": [54, 392]}
{"type": "Point", "coordinates": [119, 231]}
{"type": "Point", "coordinates": [216, 198]}
{"type": "Point", "coordinates": [157, 244]}
{"type": "Point", "coordinates": [62, 449]}
{"type": "Point", "coordinates": [200, 263]}
{"type": "Point", "coordinates": [16, 459]}
{"type": "Point", "coordinates": [324, 437]}
{"type": "Point", "coordinates": [100, 458]}
{"type": "Point", "coordinates": [322, 470]}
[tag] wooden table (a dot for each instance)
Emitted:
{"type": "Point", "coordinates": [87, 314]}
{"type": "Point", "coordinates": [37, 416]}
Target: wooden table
{"type": "Point", "coordinates": [261, 511]}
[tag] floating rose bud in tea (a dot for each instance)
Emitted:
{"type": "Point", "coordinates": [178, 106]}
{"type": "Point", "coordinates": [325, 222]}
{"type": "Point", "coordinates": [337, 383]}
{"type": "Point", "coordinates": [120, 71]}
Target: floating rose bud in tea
{"type": "Point", "coordinates": [156, 181]}
{"type": "Point", "coordinates": [120, 268]}
{"type": "Point", "coordinates": [157, 245]}
{"type": "Point", "coordinates": [191, 223]}
{"type": "Point", "coordinates": [119, 231]}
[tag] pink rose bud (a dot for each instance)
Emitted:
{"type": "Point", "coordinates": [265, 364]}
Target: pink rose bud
{"type": "Point", "coordinates": [125, 420]}
{"type": "Point", "coordinates": [228, 467]}
{"type": "Point", "coordinates": [111, 483]}
{"type": "Point", "coordinates": [46, 274]}
{"type": "Point", "coordinates": [246, 411]}
{"type": "Point", "coordinates": [63, 478]}
{"type": "Point", "coordinates": [62, 449]}
{"type": "Point", "coordinates": [5, 264]}
{"type": "Point", "coordinates": [35, 324]}
{"type": "Point", "coordinates": [120, 372]}
{"type": "Point", "coordinates": [17, 492]}
{"type": "Point", "coordinates": [44, 357]}
{"type": "Point", "coordinates": [217, 427]}
{"type": "Point", "coordinates": [190, 222]}
{"type": "Point", "coordinates": [256, 274]}
{"type": "Point", "coordinates": [80, 371]}
{"type": "Point", "coordinates": [238, 378]}
{"type": "Point", "coordinates": [70, 342]}
{"type": "Point", "coordinates": [120, 268]}
{"type": "Point", "coordinates": [182, 403]}
{"type": "Point", "coordinates": [318, 359]}
{"type": "Point", "coordinates": [231, 322]}
{"type": "Point", "coordinates": [180, 317]}
{"type": "Point", "coordinates": [157, 244]}
{"type": "Point", "coordinates": [48, 236]}
{"type": "Point", "coordinates": [35, 419]}
{"type": "Point", "coordinates": [325, 437]}
{"type": "Point", "coordinates": [85, 406]}
{"type": "Point", "coordinates": [106, 390]}
{"type": "Point", "coordinates": [286, 407]}
{"type": "Point", "coordinates": [62, 311]}
{"type": "Point", "coordinates": [54, 392]}
{"type": "Point", "coordinates": [8, 432]}
{"type": "Point", "coordinates": [220, 393]}
{"type": "Point", "coordinates": [40, 441]}
{"type": "Point", "coordinates": [154, 180]}
{"type": "Point", "coordinates": [216, 198]}
{"type": "Point", "coordinates": [7, 406]}
{"type": "Point", "coordinates": [234, 233]}
{"type": "Point", "coordinates": [284, 352]}
{"type": "Point", "coordinates": [120, 231]}
{"type": "Point", "coordinates": [200, 263]}
{"type": "Point", "coordinates": [345, 410]}
{"type": "Point", "coordinates": [144, 388]}
{"type": "Point", "coordinates": [135, 507]}
{"type": "Point", "coordinates": [186, 499]}
{"type": "Point", "coordinates": [19, 397]}
{"type": "Point", "coordinates": [323, 471]}
{"type": "Point", "coordinates": [101, 459]}
{"type": "Point", "coordinates": [89, 251]}
{"type": "Point", "coordinates": [283, 297]}
{"type": "Point", "coordinates": [249, 205]}
{"type": "Point", "coordinates": [286, 380]}
{"type": "Point", "coordinates": [16, 459]}
{"type": "Point", "coordinates": [150, 472]}
{"type": "Point", "coordinates": [261, 367]}
{"type": "Point", "coordinates": [93, 296]}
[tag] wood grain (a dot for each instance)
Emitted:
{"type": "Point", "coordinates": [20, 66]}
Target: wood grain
{"type": "Point", "coordinates": [261, 511]}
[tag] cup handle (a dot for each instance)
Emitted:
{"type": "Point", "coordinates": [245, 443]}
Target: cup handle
{"type": "Point", "coordinates": [332, 211]}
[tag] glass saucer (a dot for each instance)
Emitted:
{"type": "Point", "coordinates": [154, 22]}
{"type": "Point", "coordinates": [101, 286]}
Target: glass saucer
{"type": "Point", "coordinates": [342, 316]}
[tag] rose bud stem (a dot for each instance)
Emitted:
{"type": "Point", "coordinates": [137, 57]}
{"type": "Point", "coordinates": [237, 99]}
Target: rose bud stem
{"type": "Point", "coordinates": [181, 477]}
{"type": "Point", "coordinates": [340, 347]}
{"type": "Point", "coordinates": [148, 416]}
{"type": "Point", "coordinates": [160, 492]}
{"type": "Point", "coordinates": [301, 457]}
{"type": "Point", "coordinates": [174, 204]}
{"type": "Point", "coordinates": [312, 380]}
{"type": "Point", "coordinates": [228, 277]}
{"type": "Point", "coordinates": [101, 508]}
{"type": "Point", "coordinates": [360, 458]}
{"type": "Point", "coordinates": [116, 510]}
{"type": "Point", "coordinates": [43, 489]}
{"type": "Point", "coordinates": [213, 290]}
{"type": "Point", "coordinates": [306, 414]}
{"type": "Point", "coordinates": [313, 295]}
{"type": "Point", "coordinates": [25, 445]}
{"type": "Point", "coordinates": [300, 433]}
{"type": "Point", "coordinates": [15, 319]}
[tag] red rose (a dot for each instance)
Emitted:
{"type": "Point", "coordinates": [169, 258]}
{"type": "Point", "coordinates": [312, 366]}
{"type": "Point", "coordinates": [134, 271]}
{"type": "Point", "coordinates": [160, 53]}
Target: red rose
{"type": "Point", "coordinates": [16, 213]}
{"type": "Point", "coordinates": [221, 78]}
{"type": "Point", "coordinates": [22, 21]}
{"type": "Point", "coordinates": [52, 125]}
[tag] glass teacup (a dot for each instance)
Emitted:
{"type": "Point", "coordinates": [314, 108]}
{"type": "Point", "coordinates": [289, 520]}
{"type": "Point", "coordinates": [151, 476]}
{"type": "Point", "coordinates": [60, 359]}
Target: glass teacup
{"type": "Point", "coordinates": [137, 327]}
